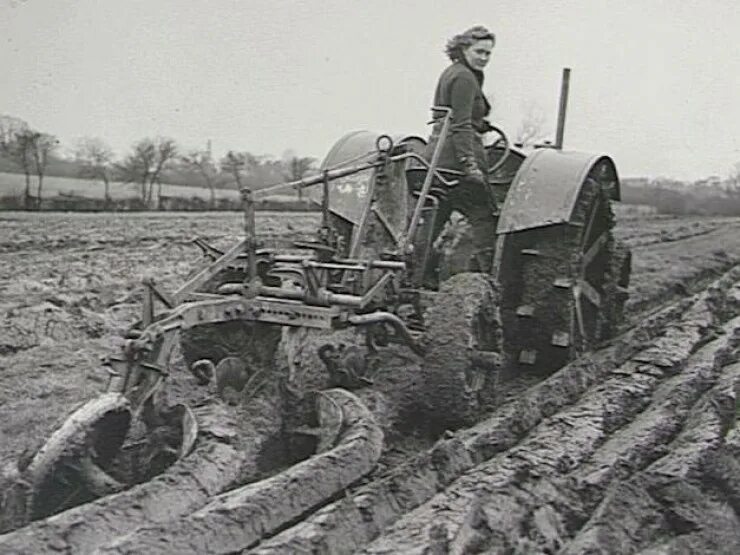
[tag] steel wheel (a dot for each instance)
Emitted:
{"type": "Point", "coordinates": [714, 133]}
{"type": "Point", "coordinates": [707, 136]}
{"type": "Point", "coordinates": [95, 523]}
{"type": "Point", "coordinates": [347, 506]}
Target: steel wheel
{"type": "Point", "coordinates": [462, 344]}
{"type": "Point", "coordinates": [558, 283]}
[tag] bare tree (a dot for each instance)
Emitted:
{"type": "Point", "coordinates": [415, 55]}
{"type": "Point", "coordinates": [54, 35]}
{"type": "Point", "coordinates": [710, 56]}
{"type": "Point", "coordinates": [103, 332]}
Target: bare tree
{"type": "Point", "coordinates": [733, 182]}
{"type": "Point", "coordinates": [146, 163]}
{"type": "Point", "coordinates": [16, 143]}
{"type": "Point", "coordinates": [296, 167]}
{"type": "Point", "coordinates": [240, 165]}
{"type": "Point", "coordinates": [233, 164]}
{"type": "Point", "coordinates": [43, 145]}
{"type": "Point", "coordinates": [532, 128]}
{"type": "Point", "coordinates": [138, 166]}
{"type": "Point", "coordinates": [10, 128]}
{"type": "Point", "coordinates": [96, 160]}
{"type": "Point", "coordinates": [202, 162]}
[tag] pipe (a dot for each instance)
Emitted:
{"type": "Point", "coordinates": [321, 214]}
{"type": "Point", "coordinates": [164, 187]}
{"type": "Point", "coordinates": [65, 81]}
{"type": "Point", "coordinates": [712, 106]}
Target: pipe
{"type": "Point", "coordinates": [375, 264]}
{"type": "Point", "coordinates": [327, 298]}
{"type": "Point", "coordinates": [316, 179]}
{"type": "Point", "coordinates": [409, 234]}
{"type": "Point", "coordinates": [563, 108]}
{"type": "Point", "coordinates": [250, 233]}
{"type": "Point", "coordinates": [387, 318]}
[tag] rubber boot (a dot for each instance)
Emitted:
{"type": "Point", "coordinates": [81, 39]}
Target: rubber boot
{"type": "Point", "coordinates": [484, 260]}
{"type": "Point", "coordinates": [431, 271]}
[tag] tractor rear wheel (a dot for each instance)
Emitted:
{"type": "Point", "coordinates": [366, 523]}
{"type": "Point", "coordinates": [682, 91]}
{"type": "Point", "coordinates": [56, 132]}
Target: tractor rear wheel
{"type": "Point", "coordinates": [563, 285]}
{"type": "Point", "coordinates": [462, 345]}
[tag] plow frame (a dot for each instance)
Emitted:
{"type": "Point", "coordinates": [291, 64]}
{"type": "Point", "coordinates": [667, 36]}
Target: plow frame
{"type": "Point", "coordinates": [314, 299]}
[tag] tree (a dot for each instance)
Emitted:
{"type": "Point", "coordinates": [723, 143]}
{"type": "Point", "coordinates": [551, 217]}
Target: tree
{"type": "Point", "coordinates": [202, 162]}
{"type": "Point", "coordinates": [43, 145]}
{"type": "Point", "coordinates": [239, 165]}
{"type": "Point", "coordinates": [532, 128]}
{"type": "Point", "coordinates": [16, 142]}
{"type": "Point", "coordinates": [146, 164]}
{"type": "Point", "coordinates": [732, 185]}
{"type": "Point", "coordinates": [96, 160]}
{"type": "Point", "coordinates": [10, 128]}
{"type": "Point", "coordinates": [297, 167]}
{"type": "Point", "coordinates": [233, 164]}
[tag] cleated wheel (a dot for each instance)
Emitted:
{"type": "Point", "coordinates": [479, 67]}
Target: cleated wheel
{"type": "Point", "coordinates": [564, 284]}
{"type": "Point", "coordinates": [462, 343]}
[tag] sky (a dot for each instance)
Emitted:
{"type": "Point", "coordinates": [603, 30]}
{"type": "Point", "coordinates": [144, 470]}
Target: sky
{"type": "Point", "coordinates": [654, 84]}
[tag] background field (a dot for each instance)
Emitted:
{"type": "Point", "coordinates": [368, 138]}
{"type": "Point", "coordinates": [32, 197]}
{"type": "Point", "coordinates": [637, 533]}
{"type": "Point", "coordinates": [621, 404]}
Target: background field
{"type": "Point", "coordinates": [14, 184]}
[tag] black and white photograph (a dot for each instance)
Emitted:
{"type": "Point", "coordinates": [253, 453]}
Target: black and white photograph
{"type": "Point", "coordinates": [374, 277]}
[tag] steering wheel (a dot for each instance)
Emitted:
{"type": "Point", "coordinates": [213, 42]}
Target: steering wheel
{"type": "Point", "coordinates": [506, 145]}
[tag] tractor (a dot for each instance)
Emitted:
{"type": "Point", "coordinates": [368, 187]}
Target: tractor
{"type": "Point", "coordinates": [324, 312]}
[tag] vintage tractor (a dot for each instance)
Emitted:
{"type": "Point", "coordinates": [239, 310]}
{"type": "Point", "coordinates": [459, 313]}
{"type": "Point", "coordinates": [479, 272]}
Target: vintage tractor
{"type": "Point", "coordinates": [332, 312]}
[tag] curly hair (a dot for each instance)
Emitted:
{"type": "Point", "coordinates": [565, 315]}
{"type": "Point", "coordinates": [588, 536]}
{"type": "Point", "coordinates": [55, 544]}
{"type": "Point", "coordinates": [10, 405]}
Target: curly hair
{"type": "Point", "coordinates": [458, 43]}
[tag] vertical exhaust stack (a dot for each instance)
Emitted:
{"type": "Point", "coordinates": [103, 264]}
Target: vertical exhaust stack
{"type": "Point", "coordinates": [563, 108]}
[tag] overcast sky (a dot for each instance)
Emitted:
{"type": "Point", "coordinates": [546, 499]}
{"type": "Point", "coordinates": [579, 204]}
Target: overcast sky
{"type": "Point", "coordinates": [655, 84]}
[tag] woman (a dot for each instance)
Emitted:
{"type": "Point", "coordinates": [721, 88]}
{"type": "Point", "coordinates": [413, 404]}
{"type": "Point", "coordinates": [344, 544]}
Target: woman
{"type": "Point", "coordinates": [460, 88]}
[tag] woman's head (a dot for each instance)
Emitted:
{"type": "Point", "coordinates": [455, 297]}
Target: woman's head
{"type": "Point", "coordinates": [474, 46]}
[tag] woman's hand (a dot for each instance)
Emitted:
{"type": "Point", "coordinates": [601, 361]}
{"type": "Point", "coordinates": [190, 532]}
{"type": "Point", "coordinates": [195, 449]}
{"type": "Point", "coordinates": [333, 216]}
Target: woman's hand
{"type": "Point", "coordinates": [472, 172]}
{"type": "Point", "coordinates": [484, 126]}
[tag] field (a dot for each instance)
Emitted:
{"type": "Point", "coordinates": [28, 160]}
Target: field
{"type": "Point", "coordinates": [13, 184]}
{"type": "Point", "coordinates": [636, 445]}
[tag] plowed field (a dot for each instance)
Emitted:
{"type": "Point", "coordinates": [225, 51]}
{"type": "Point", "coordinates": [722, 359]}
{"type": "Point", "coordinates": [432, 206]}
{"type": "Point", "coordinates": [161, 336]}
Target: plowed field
{"type": "Point", "coordinates": [634, 448]}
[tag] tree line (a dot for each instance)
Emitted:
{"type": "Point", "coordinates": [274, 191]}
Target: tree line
{"type": "Point", "coordinates": [706, 197]}
{"type": "Point", "coordinates": [149, 163]}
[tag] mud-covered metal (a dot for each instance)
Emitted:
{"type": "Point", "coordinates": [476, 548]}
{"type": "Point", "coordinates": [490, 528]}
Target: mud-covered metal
{"type": "Point", "coordinates": [546, 187]}
{"type": "Point", "coordinates": [347, 195]}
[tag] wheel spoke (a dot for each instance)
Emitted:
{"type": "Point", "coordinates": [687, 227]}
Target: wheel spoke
{"type": "Point", "coordinates": [588, 290]}
{"type": "Point", "coordinates": [592, 216]}
{"type": "Point", "coordinates": [579, 310]}
{"type": "Point", "coordinates": [594, 249]}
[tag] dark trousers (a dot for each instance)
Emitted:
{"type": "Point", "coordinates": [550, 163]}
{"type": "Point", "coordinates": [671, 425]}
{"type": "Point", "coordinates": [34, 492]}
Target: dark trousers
{"type": "Point", "coordinates": [474, 201]}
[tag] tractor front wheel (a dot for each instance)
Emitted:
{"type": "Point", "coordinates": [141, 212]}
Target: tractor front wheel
{"type": "Point", "coordinates": [463, 343]}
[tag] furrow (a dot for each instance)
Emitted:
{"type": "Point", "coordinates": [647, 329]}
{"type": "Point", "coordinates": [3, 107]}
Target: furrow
{"type": "Point", "coordinates": [190, 483]}
{"type": "Point", "coordinates": [675, 504]}
{"type": "Point", "coordinates": [241, 517]}
{"type": "Point", "coordinates": [364, 514]}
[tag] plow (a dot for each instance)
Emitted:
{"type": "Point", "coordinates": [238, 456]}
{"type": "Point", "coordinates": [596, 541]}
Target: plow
{"type": "Point", "coordinates": [272, 367]}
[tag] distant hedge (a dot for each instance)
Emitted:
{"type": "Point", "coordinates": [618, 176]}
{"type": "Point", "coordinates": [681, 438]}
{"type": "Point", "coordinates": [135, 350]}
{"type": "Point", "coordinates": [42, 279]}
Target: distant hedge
{"type": "Point", "coordinates": [713, 202]}
{"type": "Point", "coordinates": [73, 203]}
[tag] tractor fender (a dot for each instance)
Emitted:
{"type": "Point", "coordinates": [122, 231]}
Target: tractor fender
{"type": "Point", "coordinates": [348, 194]}
{"type": "Point", "coordinates": [545, 188]}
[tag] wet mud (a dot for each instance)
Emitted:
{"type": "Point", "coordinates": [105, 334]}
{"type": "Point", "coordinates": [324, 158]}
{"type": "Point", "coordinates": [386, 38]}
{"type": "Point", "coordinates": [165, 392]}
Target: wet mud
{"type": "Point", "coordinates": [633, 448]}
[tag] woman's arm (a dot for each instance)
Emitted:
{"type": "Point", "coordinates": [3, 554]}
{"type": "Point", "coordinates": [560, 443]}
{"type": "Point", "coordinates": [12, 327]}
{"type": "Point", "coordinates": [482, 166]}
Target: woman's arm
{"type": "Point", "coordinates": [462, 95]}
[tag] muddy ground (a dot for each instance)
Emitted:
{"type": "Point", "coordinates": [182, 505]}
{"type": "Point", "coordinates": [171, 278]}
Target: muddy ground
{"type": "Point", "coordinates": [632, 449]}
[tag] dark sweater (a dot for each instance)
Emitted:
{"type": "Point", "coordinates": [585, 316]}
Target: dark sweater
{"type": "Point", "coordinates": [459, 87]}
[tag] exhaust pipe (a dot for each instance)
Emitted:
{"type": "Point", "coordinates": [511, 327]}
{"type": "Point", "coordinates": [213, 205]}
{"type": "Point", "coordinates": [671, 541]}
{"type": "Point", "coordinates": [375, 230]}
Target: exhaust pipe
{"type": "Point", "coordinates": [563, 107]}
